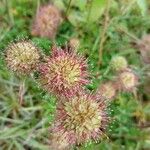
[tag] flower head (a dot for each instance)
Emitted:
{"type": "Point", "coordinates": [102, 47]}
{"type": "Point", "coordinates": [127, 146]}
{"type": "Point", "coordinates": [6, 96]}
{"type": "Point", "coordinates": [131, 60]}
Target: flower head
{"type": "Point", "coordinates": [127, 80]}
{"type": "Point", "coordinates": [118, 63]}
{"type": "Point", "coordinates": [83, 118]}
{"type": "Point", "coordinates": [22, 57]}
{"type": "Point", "coordinates": [63, 73]}
{"type": "Point", "coordinates": [107, 90]}
{"type": "Point", "coordinates": [47, 20]}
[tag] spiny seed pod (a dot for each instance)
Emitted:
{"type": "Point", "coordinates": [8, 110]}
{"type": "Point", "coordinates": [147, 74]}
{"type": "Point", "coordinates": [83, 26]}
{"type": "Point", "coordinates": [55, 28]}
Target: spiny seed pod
{"type": "Point", "coordinates": [63, 73]}
{"type": "Point", "coordinates": [118, 63]}
{"type": "Point", "coordinates": [74, 43]}
{"type": "Point", "coordinates": [58, 141]}
{"type": "Point", "coordinates": [144, 47]}
{"type": "Point", "coordinates": [22, 57]}
{"type": "Point", "coordinates": [127, 80]}
{"type": "Point", "coordinates": [107, 90]}
{"type": "Point", "coordinates": [46, 23]}
{"type": "Point", "coordinates": [83, 118]}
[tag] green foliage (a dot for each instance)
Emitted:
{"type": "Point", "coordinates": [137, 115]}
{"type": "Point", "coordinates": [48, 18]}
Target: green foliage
{"type": "Point", "coordinates": [26, 126]}
{"type": "Point", "coordinates": [86, 11]}
{"type": "Point", "coordinates": [96, 9]}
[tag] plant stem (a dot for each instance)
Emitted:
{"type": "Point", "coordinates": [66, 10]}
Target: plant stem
{"type": "Point", "coordinates": [103, 35]}
{"type": "Point", "coordinates": [38, 6]}
{"type": "Point", "coordinates": [68, 8]}
{"type": "Point", "coordinates": [89, 12]}
{"type": "Point", "coordinates": [130, 35]}
{"type": "Point", "coordinates": [21, 91]}
{"type": "Point", "coordinates": [8, 8]}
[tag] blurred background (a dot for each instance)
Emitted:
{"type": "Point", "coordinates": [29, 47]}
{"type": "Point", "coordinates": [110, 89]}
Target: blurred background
{"type": "Point", "coordinates": [99, 29]}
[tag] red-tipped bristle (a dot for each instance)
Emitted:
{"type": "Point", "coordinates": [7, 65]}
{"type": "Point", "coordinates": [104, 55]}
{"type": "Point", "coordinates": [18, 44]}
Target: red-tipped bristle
{"type": "Point", "coordinates": [63, 73]}
{"type": "Point", "coordinates": [82, 117]}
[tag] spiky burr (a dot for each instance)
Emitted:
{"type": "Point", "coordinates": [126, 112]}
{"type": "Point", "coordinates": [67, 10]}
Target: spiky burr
{"type": "Point", "coordinates": [83, 118]}
{"type": "Point", "coordinates": [127, 80]}
{"type": "Point", "coordinates": [118, 63]}
{"type": "Point", "coordinates": [47, 21]}
{"type": "Point", "coordinates": [22, 57]}
{"type": "Point", "coordinates": [63, 73]}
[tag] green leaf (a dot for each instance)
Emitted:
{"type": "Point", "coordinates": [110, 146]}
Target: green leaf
{"type": "Point", "coordinates": [81, 4]}
{"type": "Point", "coordinates": [76, 17]}
{"type": "Point", "coordinates": [143, 6]}
{"type": "Point", "coordinates": [96, 9]}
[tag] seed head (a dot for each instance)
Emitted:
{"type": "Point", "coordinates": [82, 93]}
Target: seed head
{"type": "Point", "coordinates": [22, 57]}
{"type": "Point", "coordinates": [82, 117]}
{"type": "Point", "coordinates": [128, 80]}
{"type": "Point", "coordinates": [63, 73]}
{"type": "Point", "coordinates": [46, 23]}
{"type": "Point", "coordinates": [107, 90]}
{"type": "Point", "coordinates": [118, 63]}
